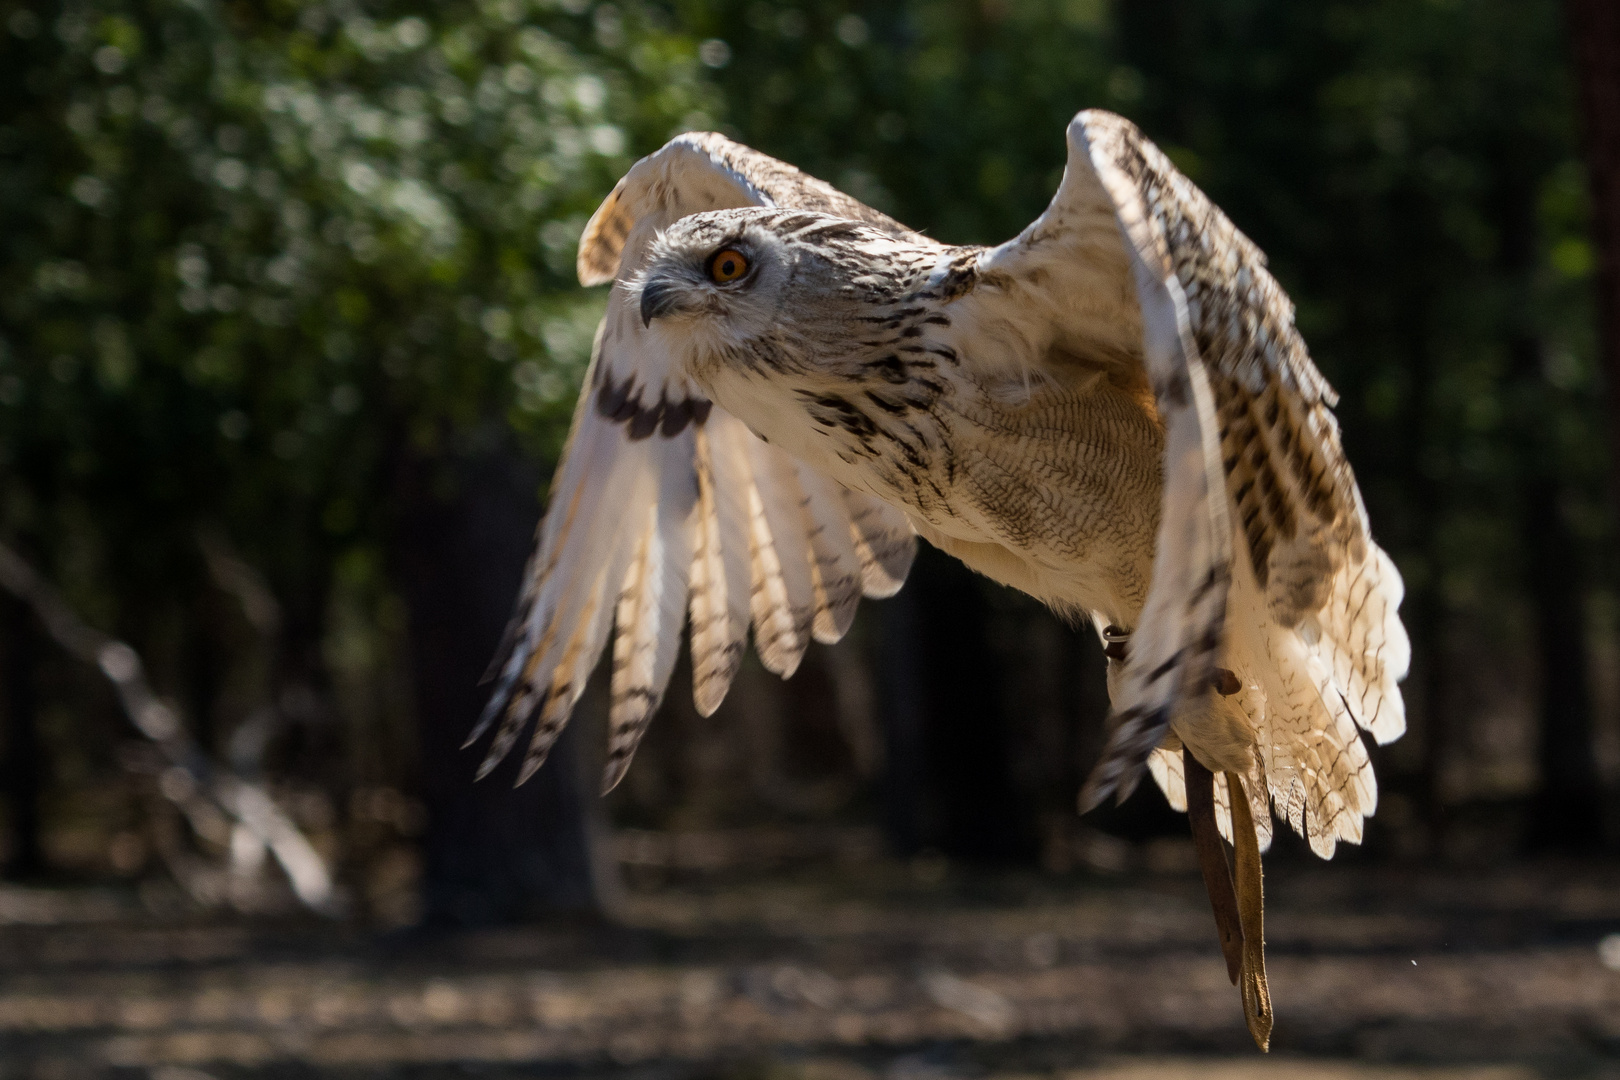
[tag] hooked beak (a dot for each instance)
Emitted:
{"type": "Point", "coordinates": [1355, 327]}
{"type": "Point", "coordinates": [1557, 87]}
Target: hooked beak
{"type": "Point", "coordinates": [659, 296]}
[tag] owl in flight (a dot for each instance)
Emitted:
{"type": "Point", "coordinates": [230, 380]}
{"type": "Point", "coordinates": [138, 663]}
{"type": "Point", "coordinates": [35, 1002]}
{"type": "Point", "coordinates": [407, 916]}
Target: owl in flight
{"type": "Point", "coordinates": [1112, 411]}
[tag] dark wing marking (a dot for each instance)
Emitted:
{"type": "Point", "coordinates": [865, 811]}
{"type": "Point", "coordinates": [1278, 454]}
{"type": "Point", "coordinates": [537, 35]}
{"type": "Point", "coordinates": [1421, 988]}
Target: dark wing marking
{"type": "Point", "coordinates": [666, 511]}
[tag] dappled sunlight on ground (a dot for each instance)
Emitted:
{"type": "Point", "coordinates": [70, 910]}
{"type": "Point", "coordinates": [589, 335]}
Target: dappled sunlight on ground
{"type": "Point", "coordinates": [844, 972]}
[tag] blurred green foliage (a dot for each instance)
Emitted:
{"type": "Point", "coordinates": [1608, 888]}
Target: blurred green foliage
{"type": "Point", "coordinates": [254, 253]}
{"type": "Point", "coordinates": [255, 256]}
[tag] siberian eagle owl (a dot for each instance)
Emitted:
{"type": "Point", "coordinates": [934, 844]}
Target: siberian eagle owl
{"type": "Point", "coordinates": [1112, 411]}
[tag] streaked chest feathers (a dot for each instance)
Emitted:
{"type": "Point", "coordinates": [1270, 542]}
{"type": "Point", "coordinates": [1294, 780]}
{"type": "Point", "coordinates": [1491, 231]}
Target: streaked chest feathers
{"type": "Point", "coordinates": [1036, 460]}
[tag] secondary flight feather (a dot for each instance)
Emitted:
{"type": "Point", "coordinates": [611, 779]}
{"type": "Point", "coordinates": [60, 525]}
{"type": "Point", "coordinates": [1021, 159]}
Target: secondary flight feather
{"type": "Point", "coordinates": [668, 512]}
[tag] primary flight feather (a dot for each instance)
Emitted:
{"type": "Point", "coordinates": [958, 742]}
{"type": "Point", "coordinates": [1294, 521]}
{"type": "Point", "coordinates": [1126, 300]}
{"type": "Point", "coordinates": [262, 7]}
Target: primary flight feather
{"type": "Point", "coordinates": [1113, 412]}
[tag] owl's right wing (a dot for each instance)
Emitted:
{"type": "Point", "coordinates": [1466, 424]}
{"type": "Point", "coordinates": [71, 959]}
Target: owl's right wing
{"type": "Point", "coordinates": [666, 511]}
{"type": "Point", "coordinates": [1264, 565]}
{"type": "Point", "coordinates": [1265, 553]}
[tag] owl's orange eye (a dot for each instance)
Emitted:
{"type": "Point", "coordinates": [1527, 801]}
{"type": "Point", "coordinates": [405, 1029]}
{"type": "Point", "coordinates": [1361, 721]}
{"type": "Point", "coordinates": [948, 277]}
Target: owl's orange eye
{"type": "Point", "coordinates": [727, 265]}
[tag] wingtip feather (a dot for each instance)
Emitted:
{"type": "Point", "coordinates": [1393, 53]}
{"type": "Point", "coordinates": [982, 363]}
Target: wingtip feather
{"type": "Point", "coordinates": [488, 765]}
{"type": "Point", "coordinates": [531, 765]}
{"type": "Point", "coordinates": [613, 773]}
{"type": "Point", "coordinates": [1125, 758]}
{"type": "Point", "coordinates": [492, 709]}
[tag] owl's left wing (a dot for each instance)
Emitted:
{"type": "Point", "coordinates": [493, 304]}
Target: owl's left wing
{"type": "Point", "coordinates": [666, 512]}
{"type": "Point", "coordinates": [1260, 508]}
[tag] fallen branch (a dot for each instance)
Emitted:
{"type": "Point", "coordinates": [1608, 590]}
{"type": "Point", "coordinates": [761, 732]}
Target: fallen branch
{"type": "Point", "coordinates": [249, 804]}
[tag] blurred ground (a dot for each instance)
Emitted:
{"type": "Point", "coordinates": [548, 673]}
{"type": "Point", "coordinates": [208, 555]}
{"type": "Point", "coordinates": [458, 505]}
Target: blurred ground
{"type": "Point", "coordinates": [845, 969]}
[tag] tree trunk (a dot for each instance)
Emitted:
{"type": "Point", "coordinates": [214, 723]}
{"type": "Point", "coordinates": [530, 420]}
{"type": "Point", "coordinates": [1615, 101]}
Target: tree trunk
{"type": "Point", "coordinates": [21, 768]}
{"type": "Point", "coordinates": [949, 782]}
{"type": "Point", "coordinates": [901, 684]}
{"type": "Point", "coordinates": [494, 853]}
{"type": "Point", "coordinates": [1567, 810]}
{"type": "Point", "coordinates": [1594, 31]}
{"type": "Point", "coordinates": [1426, 611]}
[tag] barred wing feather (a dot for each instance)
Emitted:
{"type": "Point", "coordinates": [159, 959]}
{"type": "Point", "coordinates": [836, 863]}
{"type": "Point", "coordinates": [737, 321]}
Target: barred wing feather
{"type": "Point", "coordinates": [668, 513]}
{"type": "Point", "coordinates": [1264, 562]}
{"type": "Point", "coordinates": [1307, 602]}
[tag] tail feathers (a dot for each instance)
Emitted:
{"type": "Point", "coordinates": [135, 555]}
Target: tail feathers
{"type": "Point", "coordinates": [1169, 772]}
{"type": "Point", "coordinates": [1259, 806]}
{"type": "Point", "coordinates": [1309, 691]}
{"type": "Point", "coordinates": [1167, 769]}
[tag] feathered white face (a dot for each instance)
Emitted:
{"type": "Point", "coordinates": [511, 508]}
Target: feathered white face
{"type": "Point", "coordinates": [763, 288]}
{"type": "Point", "coordinates": [720, 272]}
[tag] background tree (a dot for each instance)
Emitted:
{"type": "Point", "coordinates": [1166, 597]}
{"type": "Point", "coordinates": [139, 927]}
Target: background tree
{"type": "Point", "coordinates": [277, 272]}
{"type": "Point", "coordinates": [289, 288]}
{"type": "Point", "coordinates": [1594, 36]}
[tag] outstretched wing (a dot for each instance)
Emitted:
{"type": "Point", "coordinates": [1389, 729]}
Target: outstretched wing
{"type": "Point", "coordinates": [667, 511]}
{"type": "Point", "coordinates": [1264, 561]}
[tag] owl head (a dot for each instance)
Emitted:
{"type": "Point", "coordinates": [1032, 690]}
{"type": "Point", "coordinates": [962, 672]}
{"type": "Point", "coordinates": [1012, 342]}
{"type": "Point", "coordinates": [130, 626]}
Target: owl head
{"type": "Point", "coordinates": [769, 285]}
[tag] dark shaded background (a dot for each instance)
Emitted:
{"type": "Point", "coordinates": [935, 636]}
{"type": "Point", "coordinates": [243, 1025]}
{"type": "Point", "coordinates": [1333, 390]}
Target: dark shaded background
{"type": "Point", "coordinates": [289, 340]}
